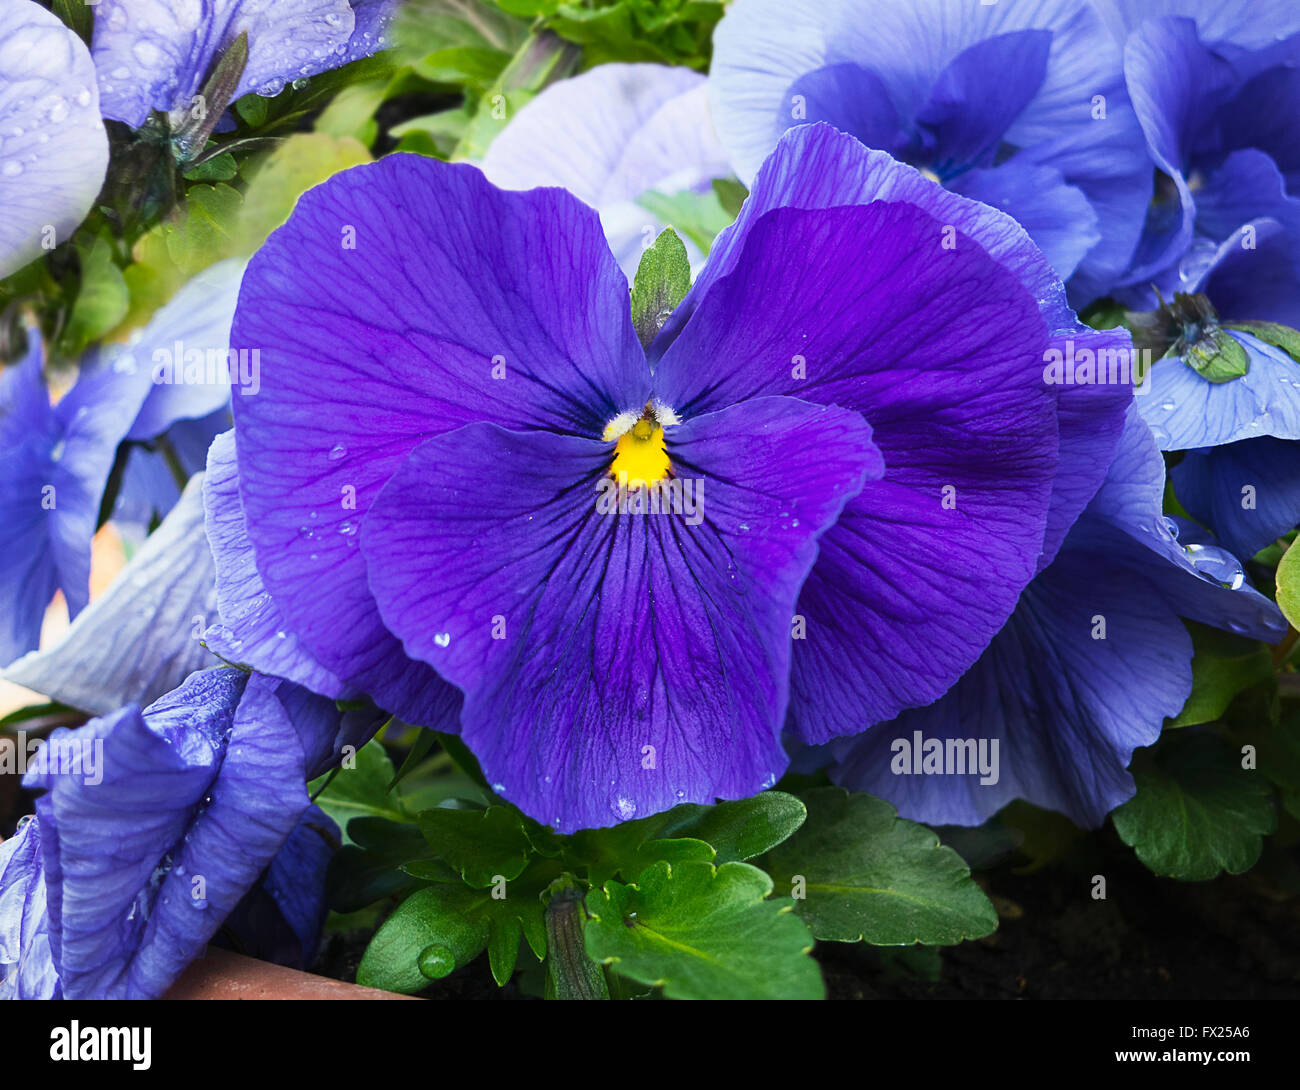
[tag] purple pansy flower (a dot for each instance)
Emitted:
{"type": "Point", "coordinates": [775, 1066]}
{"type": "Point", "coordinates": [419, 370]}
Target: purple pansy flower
{"type": "Point", "coordinates": [1086, 670]}
{"type": "Point", "coordinates": [155, 825]}
{"type": "Point", "coordinates": [421, 476]}
{"type": "Point", "coordinates": [1021, 106]}
{"type": "Point", "coordinates": [156, 54]}
{"type": "Point", "coordinates": [53, 147]}
{"type": "Point", "coordinates": [610, 136]}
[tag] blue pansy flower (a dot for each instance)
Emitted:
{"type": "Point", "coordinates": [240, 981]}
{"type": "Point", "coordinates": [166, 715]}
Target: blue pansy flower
{"type": "Point", "coordinates": [53, 147]}
{"type": "Point", "coordinates": [610, 137]}
{"type": "Point", "coordinates": [153, 827]}
{"type": "Point", "coordinates": [1087, 669]}
{"type": "Point", "coordinates": [421, 477]}
{"type": "Point", "coordinates": [156, 54]}
{"type": "Point", "coordinates": [1216, 90]}
{"type": "Point", "coordinates": [1021, 106]}
{"type": "Point", "coordinates": [54, 463]}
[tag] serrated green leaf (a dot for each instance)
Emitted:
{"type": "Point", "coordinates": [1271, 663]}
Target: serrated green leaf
{"type": "Point", "coordinates": [663, 277]}
{"type": "Point", "coordinates": [481, 845]}
{"type": "Point", "coordinates": [1197, 812]}
{"type": "Point", "coordinates": [869, 875]}
{"type": "Point", "coordinates": [703, 932]}
{"type": "Point", "coordinates": [741, 829]}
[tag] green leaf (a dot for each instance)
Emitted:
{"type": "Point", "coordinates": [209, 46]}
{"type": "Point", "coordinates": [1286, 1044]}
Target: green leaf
{"type": "Point", "coordinates": [102, 299]}
{"type": "Point", "coordinates": [663, 277]}
{"type": "Point", "coordinates": [220, 168]}
{"type": "Point", "coordinates": [462, 922]}
{"type": "Point", "coordinates": [481, 845]}
{"type": "Point", "coordinates": [425, 740]}
{"type": "Point", "coordinates": [1217, 357]}
{"type": "Point", "coordinates": [1197, 811]}
{"type": "Point", "coordinates": [703, 932]}
{"type": "Point", "coordinates": [361, 790]}
{"type": "Point", "coordinates": [436, 918]}
{"type": "Point", "coordinates": [1274, 333]}
{"type": "Point", "coordinates": [1288, 585]}
{"type": "Point", "coordinates": [869, 875]}
{"type": "Point", "coordinates": [741, 829]}
{"type": "Point", "coordinates": [253, 109]}
{"type": "Point", "coordinates": [571, 972]}
{"type": "Point", "coordinates": [1217, 679]}
{"type": "Point", "coordinates": [77, 15]}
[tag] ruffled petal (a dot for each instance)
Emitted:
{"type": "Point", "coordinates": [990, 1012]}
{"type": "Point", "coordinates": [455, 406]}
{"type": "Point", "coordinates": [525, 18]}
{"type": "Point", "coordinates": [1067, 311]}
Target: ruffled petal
{"type": "Point", "coordinates": [156, 824]}
{"type": "Point", "coordinates": [1249, 492]}
{"type": "Point", "coordinates": [252, 630]}
{"type": "Point", "coordinates": [26, 964]}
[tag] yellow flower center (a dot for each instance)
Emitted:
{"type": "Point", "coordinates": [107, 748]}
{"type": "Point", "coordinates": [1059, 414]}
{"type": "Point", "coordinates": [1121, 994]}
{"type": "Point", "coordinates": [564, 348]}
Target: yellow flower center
{"type": "Point", "coordinates": [639, 451]}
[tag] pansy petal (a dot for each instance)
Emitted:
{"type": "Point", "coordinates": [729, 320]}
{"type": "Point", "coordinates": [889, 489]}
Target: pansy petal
{"type": "Point", "coordinates": [1249, 492]}
{"type": "Point", "coordinates": [280, 919]}
{"type": "Point", "coordinates": [252, 630]}
{"type": "Point", "coordinates": [609, 136]}
{"type": "Point", "coordinates": [982, 91]}
{"type": "Point", "coordinates": [1059, 218]}
{"type": "Point", "coordinates": [816, 167]}
{"type": "Point", "coordinates": [54, 463]}
{"type": "Point", "coordinates": [366, 351]}
{"type": "Point", "coordinates": [1202, 583]}
{"type": "Point", "coordinates": [644, 658]}
{"type": "Point", "coordinates": [956, 398]}
{"type": "Point", "coordinates": [1066, 708]}
{"type": "Point", "coordinates": [163, 820]}
{"type": "Point", "coordinates": [55, 151]}
{"type": "Point", "coordinates": [1185, 411]}
{"type": "Point", "coordinates": [26, 964]}
{"type": "Point", "coordinates": [141, 637]}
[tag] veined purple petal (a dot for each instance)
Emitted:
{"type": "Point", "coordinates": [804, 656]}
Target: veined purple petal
{"type": "Point", "coordinates": [184, 348]}
{"type": "Point", "coordinates": [368, 349]}
{"type": "Point", "coordinates": [941, 349]}
{"type": "Point", "coordinates": [1249, 492]}
{"type": "Point", "coordinates": [615, 664]}
{"type": "Point", "coordinates": [53, 148]}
